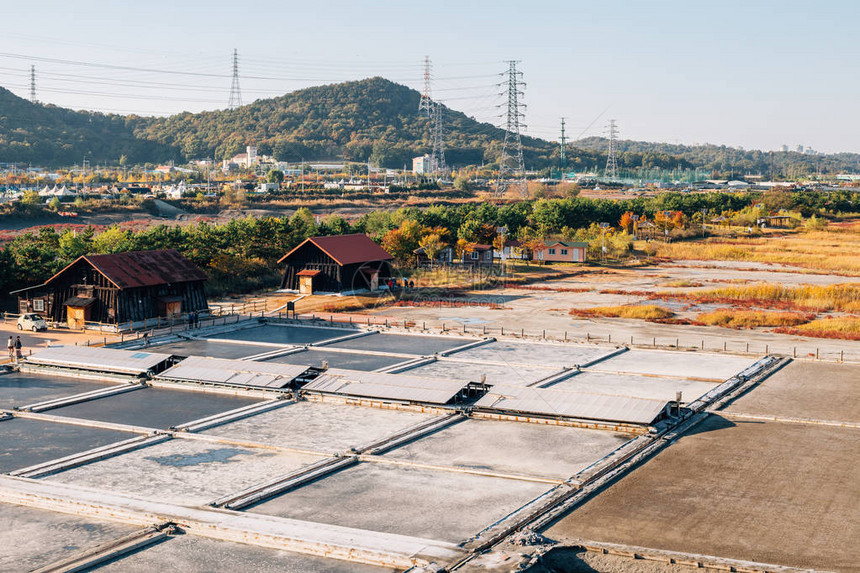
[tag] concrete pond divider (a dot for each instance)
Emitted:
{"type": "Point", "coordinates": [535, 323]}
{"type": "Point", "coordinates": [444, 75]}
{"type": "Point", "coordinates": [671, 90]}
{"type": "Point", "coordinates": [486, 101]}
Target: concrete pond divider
{"type": "Point", "coordinates": [333, 541]}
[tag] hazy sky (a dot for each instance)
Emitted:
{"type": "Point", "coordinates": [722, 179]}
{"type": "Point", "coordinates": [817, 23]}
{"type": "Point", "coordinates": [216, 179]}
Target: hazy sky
{"type": "Point", "coordinates": [751, 73]}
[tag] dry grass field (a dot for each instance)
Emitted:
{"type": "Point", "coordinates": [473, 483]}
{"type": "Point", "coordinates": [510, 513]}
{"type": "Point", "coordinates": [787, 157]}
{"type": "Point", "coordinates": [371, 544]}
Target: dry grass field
{"type": "Point", "coordinates": [832, 250]}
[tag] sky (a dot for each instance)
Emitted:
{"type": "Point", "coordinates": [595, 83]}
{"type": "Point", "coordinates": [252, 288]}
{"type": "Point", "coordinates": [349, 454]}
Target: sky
{"type": "Point", "coordinates": [757, 74]}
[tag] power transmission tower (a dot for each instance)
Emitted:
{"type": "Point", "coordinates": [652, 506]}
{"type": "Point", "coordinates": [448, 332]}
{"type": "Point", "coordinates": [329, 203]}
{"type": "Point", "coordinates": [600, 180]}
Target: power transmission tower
{"type": "Point", "coordinates": [511, 163]}
{"type": "Point", "coordinates": [563, 145]}
{"type": "Point", "coordinates": [426, 103]}
{"type": "Point", "coordinates": [33, 84]}
{"type": "Point", "coordinates": [438, 136]}
{"type": "Point", "coordinates": [611, 171]}
{"type": "Point", "coordinates": [235, 92]}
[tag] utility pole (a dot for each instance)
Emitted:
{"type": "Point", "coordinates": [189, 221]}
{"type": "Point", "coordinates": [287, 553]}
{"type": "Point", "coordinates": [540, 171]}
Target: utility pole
{"type": "Point", "coordinates": [511, 163]}
{"type": "Point", "coordinates": [33, 85]}
{"type": "Point", "coordinates": [563, 145]}
{"type": "Point", "coordinates": [611, 171]}
{"type": "Point", "coordinates": [426, 103]}
{"type": "Point", "coordinates": [235, 92]}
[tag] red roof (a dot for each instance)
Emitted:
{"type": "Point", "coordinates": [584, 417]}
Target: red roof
{"type": "Point", "coordinates": [142, 268]}
{"type": "Point", "coordinates": [307, 273]}
{"type": "Point", "coordinates": [346, 249]}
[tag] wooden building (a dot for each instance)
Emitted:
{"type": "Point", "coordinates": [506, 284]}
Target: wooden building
{"type": "Point", "coordinates": [118, 288]}
{"type": "Point", "coordinates": [478, 255]}
{"type": "Point", "coordinates": [339, 263]}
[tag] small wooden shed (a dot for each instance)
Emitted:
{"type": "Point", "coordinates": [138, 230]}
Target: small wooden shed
{"type": "Point", "coordinates": [338, 263]}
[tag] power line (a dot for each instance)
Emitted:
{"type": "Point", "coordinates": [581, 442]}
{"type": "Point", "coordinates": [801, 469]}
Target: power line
{"type": "Point", "coordinates": [511, 163]}
{"type": "Point", "coordinates": [235, 92]}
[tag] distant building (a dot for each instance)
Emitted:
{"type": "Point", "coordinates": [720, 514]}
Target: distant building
{"type": "Point", "coordinates": [513, 249]}
{"type": "Point", "coordinates": [118, 288]}
{"type": "Point", "coordinates": [339, 263]}
{"type": "Point", "coordinates": [422, 164]}
{"type": "Point", "coordinates": [445, 256]}
{"type": "Point", "coordinates": [784, 148]}
{"type": "Point", "coordinates": [478, 255]}
{"type": "Point", "coordinates": [246, 160]}
{"type": "Point", "coordinates": [799, 149]}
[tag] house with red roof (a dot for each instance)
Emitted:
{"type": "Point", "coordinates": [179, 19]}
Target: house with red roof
{"type": "Point", "coordinates": [338, 263]}
{"type": "Point", "coordinates": [118, 288]}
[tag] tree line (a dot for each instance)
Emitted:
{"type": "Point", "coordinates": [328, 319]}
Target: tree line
{"type": "Point", "coordinates": [241, 255]}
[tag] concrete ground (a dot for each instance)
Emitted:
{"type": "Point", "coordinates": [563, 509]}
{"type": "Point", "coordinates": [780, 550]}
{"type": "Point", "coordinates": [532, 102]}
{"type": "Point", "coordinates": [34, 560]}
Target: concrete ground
{"type": "Point", "coordinates": [31, 538]}
{"type": "Point", "coordinates": [786, 494]}
{"type": "Point", "coordinates": [417, 502]}
{"type": "Point", "coordinates": [154, 407]}
{"type": "Point", "coordinates": [652, 387]}
{"type": "Point", "coordinates": [806, 390]}
{"type": "Point", "coordinates": [513, 448]}
{"type": "Point", "coordinates": [319, 426]}
{"type": "Point", "coordinates": [536, 311]}
{"type": "Point", "coordinates": [554, 356]}
{"type": "Point", "coordinates": [513, 374]}
{"type": "Point", "coordinates": [184, 472]}
{"type": "Point", "coordinates": [21, 389]}
{"type": "Point", "coordinates": [572, 560]}
{"type": "Point", "coordinates": [349, 360]}
{"type": "Point", "coordinates": [188, 553]}
{"type": "Point", "coordinates": [401, 343]}
{"type": "Point", "coordinates": [699, 365]}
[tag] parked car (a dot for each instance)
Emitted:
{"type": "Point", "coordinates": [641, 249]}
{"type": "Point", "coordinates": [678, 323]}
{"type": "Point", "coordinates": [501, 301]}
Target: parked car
{"type": "Point", "coordinates": [32, 322]}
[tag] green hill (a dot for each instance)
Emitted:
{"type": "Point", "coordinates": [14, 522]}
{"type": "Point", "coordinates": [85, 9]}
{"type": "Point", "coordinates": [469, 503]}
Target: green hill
{"type": "Point", "coordinates": [53, 136]}
{"type": "Point", "coordinates": [372, 119]}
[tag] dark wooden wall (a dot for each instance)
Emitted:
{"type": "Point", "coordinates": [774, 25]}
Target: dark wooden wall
{"type": "Point", "coordinates": [333, 277]}
{"type": "Point", "coordinates": [113, 305]}
{"type": "Point", "coordinates": [310, 257]}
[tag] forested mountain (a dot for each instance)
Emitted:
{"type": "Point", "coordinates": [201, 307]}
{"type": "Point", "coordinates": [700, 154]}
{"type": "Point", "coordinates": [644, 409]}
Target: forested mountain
{"type": "Point", "coordinates": [721, 159]}
{"type": "Point", "coordinates": [53, 136]}
{"type": "Point", "coordinates": [372, 119]}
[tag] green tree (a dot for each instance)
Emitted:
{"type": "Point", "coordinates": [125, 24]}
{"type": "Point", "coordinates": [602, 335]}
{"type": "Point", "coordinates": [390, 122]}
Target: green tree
{"type": "Point", "coordinates": [113, 240]}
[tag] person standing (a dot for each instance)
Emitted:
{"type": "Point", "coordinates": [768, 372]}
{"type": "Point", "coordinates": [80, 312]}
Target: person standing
{"type": "Point", "coordinates": [18, 346]}
{"type": "Point", "coordinates": [10, 346]}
